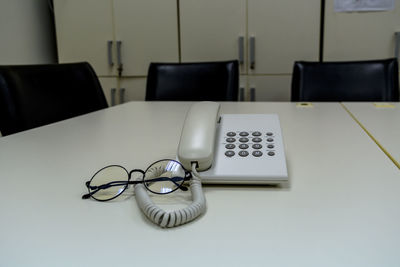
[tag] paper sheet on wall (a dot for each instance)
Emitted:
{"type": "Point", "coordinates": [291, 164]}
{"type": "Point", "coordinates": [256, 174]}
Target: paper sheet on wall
{"type": "Point", "coordinates": [363, 5]}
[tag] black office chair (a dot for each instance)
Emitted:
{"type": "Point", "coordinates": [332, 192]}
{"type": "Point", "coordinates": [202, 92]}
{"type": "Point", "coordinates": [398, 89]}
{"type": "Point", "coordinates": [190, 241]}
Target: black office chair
{"type": "Point", "coordinates": [375, 80]}
{"type": "Point", "coordinates": [213, 81]}
{"type": "Point", "coordinates": [36, 95]}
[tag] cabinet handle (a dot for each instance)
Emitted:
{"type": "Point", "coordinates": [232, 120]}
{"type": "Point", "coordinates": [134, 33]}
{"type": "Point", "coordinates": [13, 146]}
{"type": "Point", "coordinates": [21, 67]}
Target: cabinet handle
{"type": "Point", "coordinates": [109, 53]}
{"type": "Point", "coordinates": [122, 95]}
{"type": "Point", "coordinates": [241, 94]}
{"type": "Point", "coordinates": [119, 58]}
{"type": "Point", "coordinates": [113, 91]}
{"type": "Point", "coordinates": [252, 94]}
{"type": "Point", "coordinates": [241, 50]}
{"type": "Point", "coordinates": [252, 44]}
{"type": "Point", "coordinates": [397, 45]}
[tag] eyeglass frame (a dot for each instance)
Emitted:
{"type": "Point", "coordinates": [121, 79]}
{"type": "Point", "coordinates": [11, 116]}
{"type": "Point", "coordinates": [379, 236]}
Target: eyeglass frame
{"type": "Point", "coordinates": [187, 177]}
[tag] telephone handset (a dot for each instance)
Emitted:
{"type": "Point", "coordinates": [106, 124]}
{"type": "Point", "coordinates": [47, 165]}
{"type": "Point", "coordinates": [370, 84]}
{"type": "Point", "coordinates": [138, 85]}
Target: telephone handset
{"type": "Point", "coordinates": [198, 136]}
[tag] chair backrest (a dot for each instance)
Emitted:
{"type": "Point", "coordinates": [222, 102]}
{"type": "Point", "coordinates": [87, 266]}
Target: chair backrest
{"type": "Point", "coordinates": [374, 80]}
{"type": "Point", "coordinates": [36, 95]}
{"type": "Point", "coordinates": [213, 81]}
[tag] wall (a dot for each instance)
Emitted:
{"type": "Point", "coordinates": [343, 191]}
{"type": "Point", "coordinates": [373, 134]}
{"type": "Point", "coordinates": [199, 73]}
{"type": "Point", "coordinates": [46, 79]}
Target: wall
{"type": "Point", "coordinates": [26, 32]}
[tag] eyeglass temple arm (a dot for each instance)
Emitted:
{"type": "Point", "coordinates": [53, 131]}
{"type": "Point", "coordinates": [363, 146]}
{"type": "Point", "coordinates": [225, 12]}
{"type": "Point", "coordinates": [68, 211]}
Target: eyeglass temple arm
{"type": "Point", "coordinates": [172, 179]}
{"type": "Point", "coordinates": [105, 186]}
{"type": "Point", "coordinates": [117, 183]}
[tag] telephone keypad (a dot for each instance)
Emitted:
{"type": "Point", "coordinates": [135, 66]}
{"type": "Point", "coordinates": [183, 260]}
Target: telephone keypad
{"type": "Point", "coordinates": [252, 160]}
{"type": "Point", "coordinates": [256, 144]}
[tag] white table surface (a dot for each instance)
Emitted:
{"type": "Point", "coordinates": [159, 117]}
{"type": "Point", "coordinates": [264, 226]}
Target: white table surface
{"type": "Point", "coordinates": [341, 208]}
{"type": "Point", "coordinates": [382, 121]}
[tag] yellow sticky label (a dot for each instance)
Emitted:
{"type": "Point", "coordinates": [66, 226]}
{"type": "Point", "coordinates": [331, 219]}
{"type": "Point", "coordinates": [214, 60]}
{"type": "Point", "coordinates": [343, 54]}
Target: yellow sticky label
{"type": "Point", "coordinates": [304, 105]}
{"type": "Point", "coordinates": [384, 105]}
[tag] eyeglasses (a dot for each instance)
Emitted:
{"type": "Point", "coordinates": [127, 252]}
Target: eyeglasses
{"type": "Point", "coordinates": [162, 177]}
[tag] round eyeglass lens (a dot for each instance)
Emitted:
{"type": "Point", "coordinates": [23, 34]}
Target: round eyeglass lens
{"type": "Point", "coordinates": [164, 176]}
{"type": "Point", "coordinates": [108, 182]}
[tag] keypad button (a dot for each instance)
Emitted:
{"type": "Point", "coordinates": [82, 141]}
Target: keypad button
{"type": "Point", "coordinates": [256, 133]}
{"type": "Point", "coordinates": [256, 140]}
{"type": "Point", "coordinates": [269, 134]}
{"type": "Point", "coordinates": [270, 139]}
{"type": "Point", "coordinates": [243, 153]}
{"type": "Point", "coordinates": [231, 134]}
{"type": "Point", "coordinates": [257, 146]}
{"type": "Point", "coordinates": [229, 153]}
{"type": "Point", "coordinates": [243, 133]}
{"type": "Point", "coordinates": [230, 146]}
{"type": "Point", "coordinates": [243, 146]}
{"type": "Point", "coordinates": [271, 153]}
{"type": "Point", "coordinates": [257, 153]}
{"type": "Point", "coordinates": [244, 140]}
{"type": "Point", "coordinates": [230, 140]}
{"type": "Point", "coordinates": [270, 146]}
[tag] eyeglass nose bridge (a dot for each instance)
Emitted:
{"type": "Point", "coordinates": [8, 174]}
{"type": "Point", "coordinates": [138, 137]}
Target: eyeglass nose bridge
{"type": "Point", "coordinates": [136, 170]}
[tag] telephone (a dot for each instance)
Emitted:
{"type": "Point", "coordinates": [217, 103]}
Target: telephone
{"type": "Point", "coordinates": [233, 148]}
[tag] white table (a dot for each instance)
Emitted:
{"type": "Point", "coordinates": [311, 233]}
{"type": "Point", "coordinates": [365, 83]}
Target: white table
{"type": "Point", "coordinates": [382, 121]}
{"type": "Point", "coordinates": [341, 209]}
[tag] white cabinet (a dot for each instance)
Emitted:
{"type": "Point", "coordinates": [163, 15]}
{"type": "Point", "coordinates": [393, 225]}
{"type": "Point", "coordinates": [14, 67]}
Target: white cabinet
{"type": "Point", "coordinates": [280, 32]}
{"type": "Point", "coordinates": [265, 36]}
{"type": "Point", "coordinates": [121, 37]}
{"type": "Point", "coordinates": [360, 35]}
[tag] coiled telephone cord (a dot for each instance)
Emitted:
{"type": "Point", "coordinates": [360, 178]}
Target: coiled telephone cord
{"type": "Point", "coordinates": [177, 217]}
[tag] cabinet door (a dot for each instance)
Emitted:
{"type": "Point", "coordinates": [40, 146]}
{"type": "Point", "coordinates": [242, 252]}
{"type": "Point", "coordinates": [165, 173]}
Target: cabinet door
{"type": "Point", "coordinates": [284, 31]}
{"type": "Point", "coordinates": [84, 28]}
{"type": "Point", "coordinates": [132, 89]}
{"type": "Point", "coordinates": [270, 87]}
{"type": "Point", "coordinates": [210, 30]}
{"type": "Point", "coordinates": [148, 31]}
{"type": "Point", "coordinates": [360, 35]}
{"type": "Point", "coordinates": [109, 85]}
{"type": "Point", "coordinates": [243, 92]}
